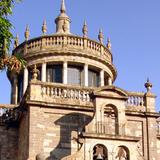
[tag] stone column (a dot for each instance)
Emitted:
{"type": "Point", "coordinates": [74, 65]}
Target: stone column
{"type": "Point", "coordinates": [25, 80]}
{"type": "Point", "coordinates": [65, 66]}
{"type": "Point", "coordinates": [109, 81]}
{"type": "Point", "coordinates": [43, 75]}
{"type": "Point", "coordinates": [86, 75]}
{"type": "Point", "coordinates": [14, 93]}
{"type": "Point", "coordinates": [102, 78]}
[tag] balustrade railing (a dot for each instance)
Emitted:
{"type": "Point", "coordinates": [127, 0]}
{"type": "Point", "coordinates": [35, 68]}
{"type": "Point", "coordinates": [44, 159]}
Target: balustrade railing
{"type": "Point", "coordinates": [135, 99]}
{"type": "Point", "coordinates": [70, 41]}
{"type": "Point", "coordinates": [64, 92]}
{"type": "Point", "coordinates": [60, 93]}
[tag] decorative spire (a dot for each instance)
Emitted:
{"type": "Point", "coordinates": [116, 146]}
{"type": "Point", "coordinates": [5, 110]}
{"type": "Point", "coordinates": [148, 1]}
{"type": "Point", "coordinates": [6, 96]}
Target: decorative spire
{"type": "Point", "coordinates": [35, 73]}
{"type": "Point", "coordinates": [27, 33]}
{"type": "Point", "coordinates": [16, 41]}
{"type": "Point", "coordinates": [85, 30]}
{"type": "Point", "coordinates": [109, 46]}
{"type": "Point", "coordinates": [44, 27]}
{"type": "Point", "coordinates": [100, 36]}
{"type": "Point", "coordinates": [63, 7]}
{"type": "Point", "coordinates": [63, 21]}
{"type": "Point", "coordinates": [148, 85]}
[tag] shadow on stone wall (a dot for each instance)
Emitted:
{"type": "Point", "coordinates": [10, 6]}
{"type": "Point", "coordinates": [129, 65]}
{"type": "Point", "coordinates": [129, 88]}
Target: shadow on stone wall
{"type": "Point", "coordinates": [68, 123]}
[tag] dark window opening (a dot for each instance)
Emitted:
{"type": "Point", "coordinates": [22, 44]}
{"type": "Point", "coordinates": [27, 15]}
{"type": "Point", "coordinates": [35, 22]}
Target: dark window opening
{"type": "Point", "coordinates": [54, 73]}
{"type": "Point", "coordinates": [75, 75]}
{"type": "Point", "coordinates": [20, 87]}
{"type": "Point", "coordinates": [93, 78]}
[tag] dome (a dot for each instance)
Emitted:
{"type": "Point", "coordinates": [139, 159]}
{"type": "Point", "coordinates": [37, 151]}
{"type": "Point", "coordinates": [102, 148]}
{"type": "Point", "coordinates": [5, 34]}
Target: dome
{"type": "Point", "coordinates": [66, 58]}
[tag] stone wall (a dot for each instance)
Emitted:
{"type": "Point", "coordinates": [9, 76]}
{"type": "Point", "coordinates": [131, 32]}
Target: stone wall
{"type": "Point", "coordinates": [23, 137]}
{"type": "Point", "coordinates": [8, 143]}
{"type": "Point", "coordinates": [53, 132]}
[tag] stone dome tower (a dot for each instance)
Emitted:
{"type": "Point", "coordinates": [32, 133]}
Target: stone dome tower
{"type": "Point", "coordinates": [64, 58]}
{"type": "Point", "coordinates": [66, 107]}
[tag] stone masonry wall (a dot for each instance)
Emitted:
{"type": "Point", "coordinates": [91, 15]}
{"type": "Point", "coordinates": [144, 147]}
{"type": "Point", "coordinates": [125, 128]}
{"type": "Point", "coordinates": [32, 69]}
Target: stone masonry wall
{"type": "Point", "coordinates": [23, 138]}
{"type": "Point", "coordinates": [53, 132]}
{"type": "Point", "coordinates": [8, 143]}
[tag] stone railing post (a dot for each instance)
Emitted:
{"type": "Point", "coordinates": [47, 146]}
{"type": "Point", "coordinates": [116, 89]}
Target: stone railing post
{"type": "Point", "coordinates": [102, 50]}
{"type": "Point", "coordinates": [150, 102]}
{"type": "Point", "coordinates": [43, 43]}
{"type": "Point", "coordinates": [84, 43]}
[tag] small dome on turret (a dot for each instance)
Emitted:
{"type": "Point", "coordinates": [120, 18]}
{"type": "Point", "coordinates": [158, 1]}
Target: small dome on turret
{"type": "Point", "coordinates": [63, 21]}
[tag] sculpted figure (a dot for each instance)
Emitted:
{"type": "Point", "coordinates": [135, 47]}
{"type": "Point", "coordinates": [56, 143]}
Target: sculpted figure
{"type": "Point", "coordinates": [121, 155]}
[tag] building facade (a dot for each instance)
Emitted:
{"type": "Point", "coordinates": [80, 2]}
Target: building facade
{"type": "Point", "coordinates": [64, 105]}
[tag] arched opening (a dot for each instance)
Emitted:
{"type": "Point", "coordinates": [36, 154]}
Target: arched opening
{"type": "Point", "coordinates": [111, 120]}
{"type": "Point", "coordinates": [100, 152]}
{"type": "Point", "coordinates": [122, 153]}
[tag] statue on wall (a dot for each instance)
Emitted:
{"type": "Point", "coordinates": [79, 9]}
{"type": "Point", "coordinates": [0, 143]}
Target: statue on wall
{"type": "Point", "coordinates": [122, 154]}
{"type": "Point", "coordinates": [100, 152]}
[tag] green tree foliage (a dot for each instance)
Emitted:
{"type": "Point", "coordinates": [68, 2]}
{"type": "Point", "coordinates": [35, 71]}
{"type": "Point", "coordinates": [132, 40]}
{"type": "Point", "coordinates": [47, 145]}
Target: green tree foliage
{"type": "Point", "coordinates": [7, 61]}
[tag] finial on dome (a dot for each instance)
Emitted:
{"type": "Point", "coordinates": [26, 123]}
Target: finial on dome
{"type": "Point", "coordinates": [85, 30]}
{"type": "Point", "coordinates": [63, 21]}
{"type": "Point", "coordinates": [27, 33]}
{"type": "Point", "coordinates": [63, 7]}
{"type": "Point", "coordinates": [44, 27]}
{"type": "Point", "coordinates": [148, 85]}
{"type": "Point", "coordinates": [109, 46]}
{"type": "Point", "coordinates": [100, 36]}
{"type": "Point", "coordinates": [16, 41]}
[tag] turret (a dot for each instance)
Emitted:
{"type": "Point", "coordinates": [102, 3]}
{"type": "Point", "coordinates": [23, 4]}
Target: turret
{"type": "Point", "coordinates": [63, 21]}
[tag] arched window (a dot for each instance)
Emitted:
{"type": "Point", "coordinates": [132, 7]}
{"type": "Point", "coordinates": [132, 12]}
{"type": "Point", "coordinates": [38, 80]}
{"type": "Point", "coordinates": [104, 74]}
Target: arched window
{"type": "Point", "coordinates": [110, 120]}
{"type": "Point", "coordinates": [122, 153]}
{"type": "Point", "coordinates": [100, 152]}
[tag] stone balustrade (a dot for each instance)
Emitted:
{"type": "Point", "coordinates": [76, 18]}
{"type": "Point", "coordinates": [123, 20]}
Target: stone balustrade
{"type": "Point", "coordinates": [60, 93]}
{"type": "Point", "coordinates": [68, 93]}
{"type": "Point", "coordinates": [135, 99]}
{"type": "Point", "coordinates": [71, 42]}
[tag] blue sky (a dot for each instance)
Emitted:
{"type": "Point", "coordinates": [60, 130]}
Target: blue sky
{"type": "Point", "coordinates": [132, 25]}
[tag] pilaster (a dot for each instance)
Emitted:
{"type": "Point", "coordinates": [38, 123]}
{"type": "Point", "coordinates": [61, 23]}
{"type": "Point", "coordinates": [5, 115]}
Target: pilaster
{"type": "Point", "coordinates": [86, 75]}
{"type": "Point", "coordinates": [43, 75]}
{"type": "Point", "coordinates": [102, 78]}
{"type": "Point", "coordinates": [65, 66]}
